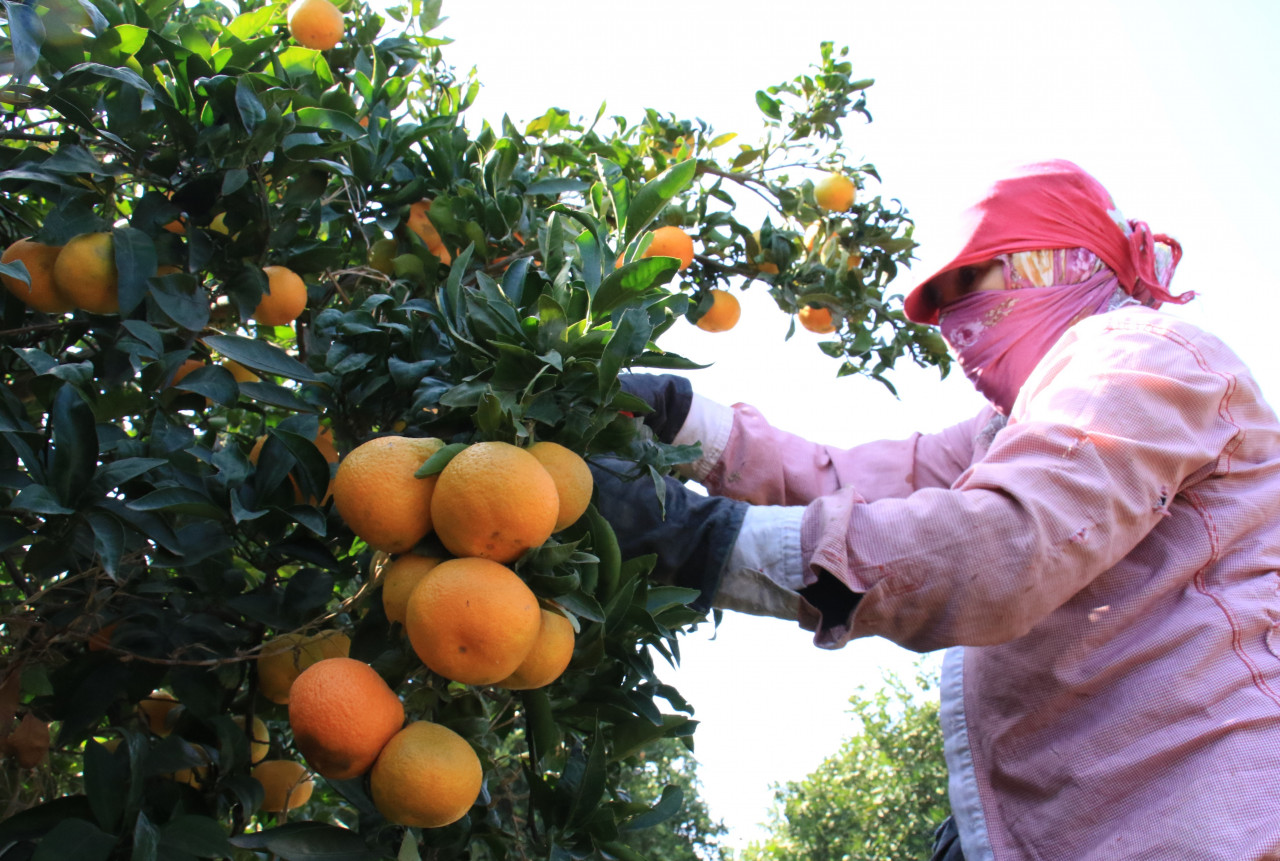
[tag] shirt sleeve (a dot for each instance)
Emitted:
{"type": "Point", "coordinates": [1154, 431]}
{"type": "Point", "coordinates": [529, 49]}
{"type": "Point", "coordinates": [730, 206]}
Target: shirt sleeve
{"type": "Point", "coordinates": [744, 457]}
{"type": "Point", "coordinates": [1114, 421]}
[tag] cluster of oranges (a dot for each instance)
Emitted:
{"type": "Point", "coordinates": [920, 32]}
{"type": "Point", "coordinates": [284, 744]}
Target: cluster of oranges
{"type": "Point", "coordinates": [82, 274]}
{"type": "Point", "coordinates": [834, 193]}
{"type": "Point", "coordinates": [470, 618]}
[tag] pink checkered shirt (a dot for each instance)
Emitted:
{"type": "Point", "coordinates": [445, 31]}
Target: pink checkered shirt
{"type": "Point", "coordinates": [1109, 562]}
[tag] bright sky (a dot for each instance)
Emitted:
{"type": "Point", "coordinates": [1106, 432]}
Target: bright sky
{"type": "Point", "coordinates": [1172, 106]}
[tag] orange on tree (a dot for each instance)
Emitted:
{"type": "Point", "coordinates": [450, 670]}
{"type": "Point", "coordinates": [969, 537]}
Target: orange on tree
{"type": "Point", "coordinates": [283, 659]}
{"type": "Point", "coordinates": [382, 256]}
{"type": "Point", "coordinates": [427, 776]}
{"type": "Point", "coordinates": [315, 24]}
{"type": "Point", "coordinates": [284, 300]}
{"type": "Point", "coordinates": [239, 372]}
{"type": "Point", "coordinates": [323, 442]}
{"type": "Point", "coordinates": [671, 241]}
{"type": "Point", "coordinates": [572, 478]}
{"type": "Point", "coordinates": [155, 709]}
{"type": "Point", "coordinates": [401, 576]}
{"type": "Point", "coordinates": [85, 273]}
{"type": "Point", "coordinates": [259, 738]}
{"type": "Point", "coordinates": [549, 656]}
{"type": "Point", "coordinates": [420, 223]}
{"type": "Point", "coordinates": [42, 293]}
{"type": "Point", "coordinates": [834, 192]}
{"type": "Point", "coordinates": [816, 319]}
{"type": "Point", "coordinates": [185, 368]}
{"type": "Point", "coordinates": [285, 784]}
{"type": "Point", "coordinates": [494, 500]}
{"type": "Point", "coordinates": [198, 775]}
{"type": "Point", "coordinates": [377, 495]}
{"type": "Point", "coordinates": [472, 620]}
{"type": "Point", "coordinates": [723, 314]}
{"type": "Point", "coordinates": [342, 714]}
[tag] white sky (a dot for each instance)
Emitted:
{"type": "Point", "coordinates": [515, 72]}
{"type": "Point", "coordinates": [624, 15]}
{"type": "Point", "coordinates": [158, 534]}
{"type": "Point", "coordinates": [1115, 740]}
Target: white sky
{"type": "Point", "coordinates": [1172, 106]}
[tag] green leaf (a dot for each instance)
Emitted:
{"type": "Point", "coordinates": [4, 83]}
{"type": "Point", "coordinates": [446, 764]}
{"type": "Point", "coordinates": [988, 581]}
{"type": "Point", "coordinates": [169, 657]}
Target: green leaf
{"type": "Point", "coordinates": [632, 281]}
{"type": "Point", "coordinates": [125, 76]}
{"type": "Point", "coordinates": [656, 193]}
{"type": "Point", "coordinates": [146, 839]}
{"type": "Point", "coordinates": [768, 105]}
{"type": "Point", "coordinates": [135, 255]}
{"type": "Point", "coordinates": [248, 106]}
{"type": "Point", "coordinates": [308, 841]}
{"type": "Point", "coordinates": [195, 835]}
{"type": "Point", "coordinates": [39, 499]}
{"type": "Point", "coordinates": [75, 838]}
{"type": "Point", "coordinates": [75, 444]}
{"type": "Point", "coordinates": [260, 356]}
{"type": "Point", "coordinates": [440, 459]}
{"type": "Point", "coordinates": [666, 807]}
{"type": "Point", "coordinates": [591, 788]}
{"type": "Point", "coordinates": [179, 500]}
{"type": "Point", "coordinates": [544, 731]}
{"type": "Point", "coordinates": [27, 35]}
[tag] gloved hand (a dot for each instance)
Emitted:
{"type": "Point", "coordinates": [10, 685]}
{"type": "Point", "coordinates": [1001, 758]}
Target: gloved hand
{"type": "Point", "coordinates": [670, 397]}
{"type": "Point", "coordinates": [692, 542]}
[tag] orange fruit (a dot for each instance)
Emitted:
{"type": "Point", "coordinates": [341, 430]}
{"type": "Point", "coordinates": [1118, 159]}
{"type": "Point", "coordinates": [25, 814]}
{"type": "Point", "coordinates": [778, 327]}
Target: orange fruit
{"type": "Point", "coordinates": [185, 368]}
{"type": "Point", "coordinates": [154, 711]}
{"type": "Point", "coordinates": [723, 314]}
{"type": "Point", "coordinates": [42, 293]}
{"type": "Point", "coordinates": [342, 714]}
{"type": "Point", "coordinates": [572, 478]}
{"type": "Point", "coordinates": [671, 241]}
{"type": "Point", "coordinates": [283, 659]}
{"type": "Point", "coordinates": [315, 24]}
{"type": "Point", "coordinates": [285, 784]}
{"type": "Point", "coordinates": [834, 192]}
{"type": "Point", "coordinates": [816, 319]}
{"type": "Point", "coordinates": [285, 299]}
{"type": "Point", "coordinates": [494, 500]}
{"type": "Point", "coordinates": [195, 776]}
{"type": "Point", "coordinates": [239, 372]}
{"type": "Point", "coordinates": [401, 576]}
{"type": "Point", "coordinates": [548, 657]}
{"type": "Point", "coordinates": [427, 776]}
{"type": "Point", "coordinates": [85, 273]}
{"type": "Point", "coordinates": [472, 620]}
{"type": "Point", "coordinates": [323, 441]}
{"type": "Point", "coordinates": [259, 739]}
{"type": "Point", "coordinates": [420, 223]}
{"type": "Point", "coordinates": [377, 495]}
{"type": "Point", "coordinates": [100, 640]}
{"type": "Point", "coordinates": [768, 268]}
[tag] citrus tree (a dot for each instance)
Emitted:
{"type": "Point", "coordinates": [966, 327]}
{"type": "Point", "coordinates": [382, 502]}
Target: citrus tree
{"type": "Point", "coordinates": [300, 375]}
{"type": "Point", "coordinates": [880, 796]}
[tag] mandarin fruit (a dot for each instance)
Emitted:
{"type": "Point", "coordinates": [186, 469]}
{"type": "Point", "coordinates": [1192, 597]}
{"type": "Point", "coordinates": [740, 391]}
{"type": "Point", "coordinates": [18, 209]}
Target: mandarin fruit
{"type": "Point", "coordinates": [284, 300]}
{"type": "Point", "coordinates": [42, 293]}
{"type": "Point", "coordinates": [377, 495]}
{"type": "Point", "coordinates": [816, 319]}
{"type": "Point", "coordinates": [342, 714]}
{"type": "Point", "coordinates": [572, 478]}
{"type": "Point", "coordinates": [472, 620]}
{"type": "Point", "coordinates": [85, 273]}
{"type": "Point", "coordinates": [494, 500]}
{"type": "Point", "coordinates": [549, 656]}
{"type": "Point", "coordinates": [285, 784]}
{"type": "Point", "coordinates": [427, 776]}
{"type": "Point", "coordinates": [283, 659]}
{"type": "Point", "coordinates": [723, 314]}
{"type": "Point", "coordinates": [397, 583]}
{"type": "Point", "coordinates": [315, 24]}
{"type": "Point", "coordinates": [671, 241]}
{"type": "Point", "coordinates": [834, 192]}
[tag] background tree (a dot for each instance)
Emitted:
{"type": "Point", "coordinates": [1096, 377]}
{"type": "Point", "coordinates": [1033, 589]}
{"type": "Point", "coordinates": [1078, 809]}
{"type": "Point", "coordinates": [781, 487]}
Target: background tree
{"type": "Point", "coordinates": [241, 241]}
{"type": "Point", "coordinates": [879, 797]}
{"type": "Point", "coordinates": [666, 776]}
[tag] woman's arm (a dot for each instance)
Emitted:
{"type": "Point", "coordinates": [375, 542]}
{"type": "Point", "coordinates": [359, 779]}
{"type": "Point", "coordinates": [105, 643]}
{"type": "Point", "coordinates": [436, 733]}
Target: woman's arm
{"type": "Point", "coordinates": [746, 458]}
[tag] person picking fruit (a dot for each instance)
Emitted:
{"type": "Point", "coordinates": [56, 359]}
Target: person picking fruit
{"type": "Point", "coordinates": [1097, 550]}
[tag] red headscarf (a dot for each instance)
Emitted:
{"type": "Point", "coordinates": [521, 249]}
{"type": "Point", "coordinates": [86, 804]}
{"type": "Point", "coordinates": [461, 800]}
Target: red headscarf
{"type": "Point", "coordinates": [1055, 204]}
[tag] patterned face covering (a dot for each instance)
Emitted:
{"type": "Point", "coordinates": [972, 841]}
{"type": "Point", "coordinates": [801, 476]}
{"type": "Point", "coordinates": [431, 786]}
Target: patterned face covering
{"type": "Point", "coordinates": [1001, 335]}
